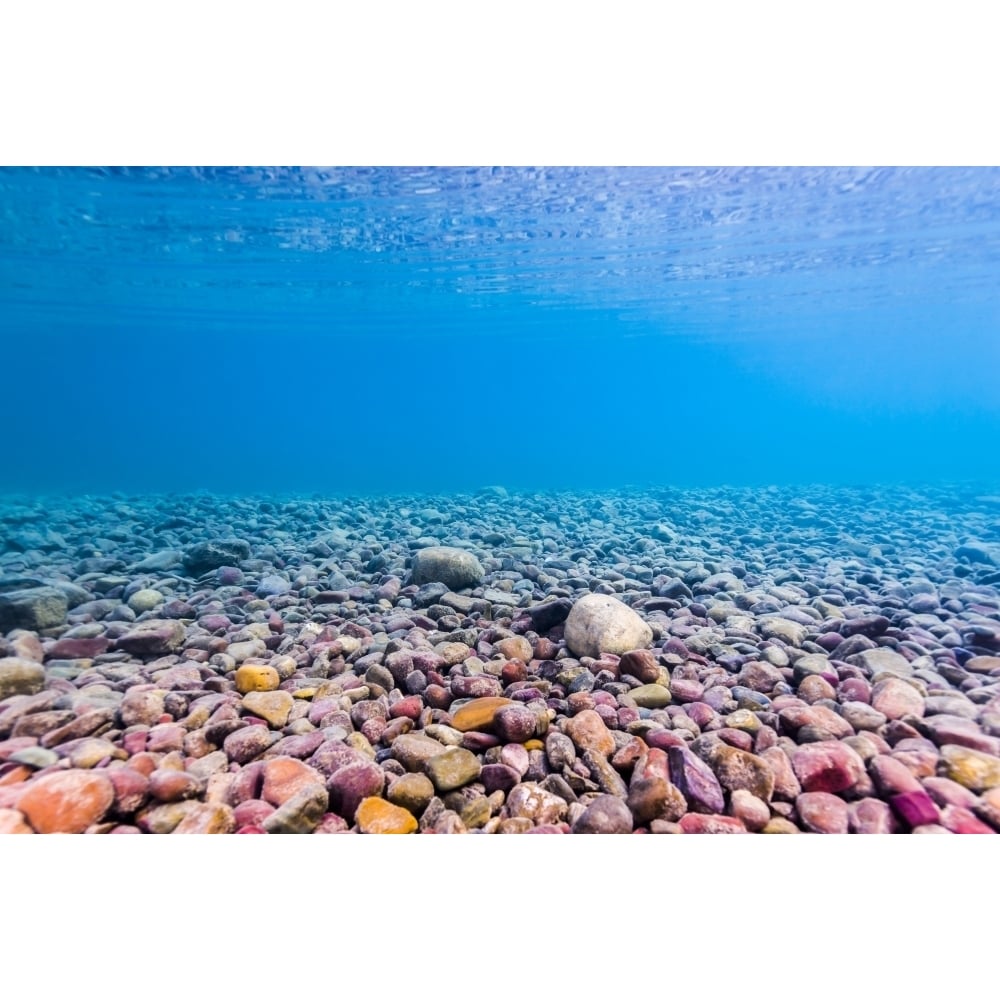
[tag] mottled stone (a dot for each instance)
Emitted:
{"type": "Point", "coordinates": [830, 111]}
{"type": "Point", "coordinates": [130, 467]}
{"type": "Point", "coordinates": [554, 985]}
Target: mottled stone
{"type": "Point", "coordinates": [655, 798]}
{"type": "Point", "coordinates": [452, 769]}
{"type": "Point", "coordinates": [531, 802]}
{"type": "Point", "coordinates": [207, 817]}
{"type": "Point", "coordinates": [284, 777]}
{"type": "Point", "coordinates": [822, 812]}
{"type": "Point", "coordinates": [67, 801]}
{"type": "Point", "coordinates": [870, 816]}
{"type": "Point", "coordinates": [20, 676]}
{"type": "Point", "coordinates": [456, 568]}
{"type": "Point", "coordinates": [411, 792]}
{"type": "Point", "coordinates": [352, 783]}
{"type": "Point", "coordinates": [142, 706]}
{"type": "Point", "coordinates": [588, 732]}
{"type": "Point", "coordinates": [830, 766]}
{"type": "Point", "coordinates": [413, 750]}
{"type": "Point", "coordinates": [272, 706]}
{"type": "Point", "coordinates": [167, 785]}
{"type": "Point", "coordinates": [301, 813]}
{"type": "Point", "coordinates": [32, 608]}
{"type": "Point", "coordinates": [695, 780]}
{"type": "Point", "coordinates": [895, 698]}
{"type": "Point", "coordinates": [711, 823]}
{"type": "Point", "coordinates": [971, 768]}
{"type": "Point", "coordinates": [243, 745]}
{"type": "Point", "coordinates": [515, 723]}
{"type": "Point", "coordinates": [607, 814]}
{"type": "Point", "coordinates": [751, 811]}
{"type": "Point", "coordinates": [738, 769]}
{"type": "Point", "coordinates": [375, 815]}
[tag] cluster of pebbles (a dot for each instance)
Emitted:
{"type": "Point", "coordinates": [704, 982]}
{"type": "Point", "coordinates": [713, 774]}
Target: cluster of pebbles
{"type": "Point", "coordinates": [660, 661]}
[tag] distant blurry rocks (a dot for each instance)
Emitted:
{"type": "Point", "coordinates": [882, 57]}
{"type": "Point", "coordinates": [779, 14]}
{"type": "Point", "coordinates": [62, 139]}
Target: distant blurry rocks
{"type": "Point", "coordinates": [34, 608]}
{"type": "Point", "coordinates": [206, 556]}
{"type": "Point", "coordinates": [20, 676]}
{"type": "Point", "coordinates": [455, 568]}
{"type": "Point", "coordinates": [975, 552]}
{"type": "Point", "coordinates": [600, 623]}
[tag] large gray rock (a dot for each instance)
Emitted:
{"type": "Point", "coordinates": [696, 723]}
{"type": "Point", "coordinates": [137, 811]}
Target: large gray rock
{"type": "Point", "coordinates": [34, 608]}
{"type": "Point", "coordinates": [455, 568]}
{"type": "Point", "coordinates": [601, 623]}
{"type": "Point", "coordinates": [20, 676]}
{"type": "Point", "coordinates": [212, 554]}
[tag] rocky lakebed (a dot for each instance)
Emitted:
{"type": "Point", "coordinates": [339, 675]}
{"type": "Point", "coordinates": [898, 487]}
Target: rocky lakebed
{"type": "Point", "coordinates": [776, 660]}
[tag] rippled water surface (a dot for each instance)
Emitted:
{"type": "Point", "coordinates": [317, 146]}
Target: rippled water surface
{"type": "Point", "coordinates": [390, 329]}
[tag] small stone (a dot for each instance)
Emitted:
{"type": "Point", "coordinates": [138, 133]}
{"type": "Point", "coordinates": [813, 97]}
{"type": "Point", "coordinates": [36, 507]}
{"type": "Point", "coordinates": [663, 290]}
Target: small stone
{"type": "Point", "coordinates": [738, 769]}
{"type": "Point", "coordinates": [515, 724]}
{"type": "Point", "coordinates": [643, 665]}
{"type": "Point", "coordinates": [478, 714]}
{"type": "Point", "coordinates": [750, 810]}
{"type": "Point", "coordinates": [207, 817]}
{"type": "Point", "coordinates": [243, 745]}
{"type": "Point", "coordinates": [456, 568]}
{"type": "Point", "coordinates": [156, 637]}
{"type": "Point", "coordinates": [452, 769]}
{"type": "Point", "coordinates": [695, 780]}
{"type": "Point", "coordinates": [302, 813]}
{"type": "Point", "coordinates": [273, 706]}
{"type": "Point", "coordinates": [822, 812]}
{"type": "Point", "coordinates": [20, 676]}
{"type": "Point", "coordinates": [915, 808]}
{"type": "Point", "coordinates": [145, 600]}
{"type": "Point", "coordinates": [588, 732]}
{"type": "Point", "coordinates": [32, 608]}
{"type": "Point", "coordinates": [375, 815]}
{"type": "Point", "coordinates": [895, 698]}
{"type": "Point", "coordinates": [411, 792]}
{"type": "Point", "coordinates": [655, 798]}
{"type": "Point", "coordinates": [529, 801]}
{"type": "Point", "coordinates": [607, 814]}
{"type": "Point", "coordinates": [651, 696]}
{"type": "Point", "coordinates": [350, 784]}
{"type": "Point", "coordinates": [285, 777]}
{"type": "Point", "coordinates": [711, 823]}
{"type": "Point", "coordinates": [829, 766]}
{"type": "Point", "coordinates": [971, 768]}
{"type": "Point", "coordinates": [413, 750]}
{"type": "Point", "coordinates": [256, 677]}
{"type": "Point", "coordinates": [881, 660]}
{"type": "Point", "coordinates": [67, 801]}
{"type": "Point", "coordinates": [870, 816]}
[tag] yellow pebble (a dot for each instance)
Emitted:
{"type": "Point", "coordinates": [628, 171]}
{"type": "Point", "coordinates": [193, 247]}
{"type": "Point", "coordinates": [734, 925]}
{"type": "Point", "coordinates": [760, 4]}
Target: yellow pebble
{"type": "Point", "coordinates": [256, 677]}
{"type": "Point", "coordinates": [375, 815]}
{"type": "Point", "coordinates": [534, 745]}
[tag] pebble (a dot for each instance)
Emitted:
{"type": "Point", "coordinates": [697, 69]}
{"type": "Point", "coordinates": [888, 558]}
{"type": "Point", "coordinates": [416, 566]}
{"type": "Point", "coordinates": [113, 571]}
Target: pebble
{"type": "Point", "coordinates": [375, 815]}
{"type": "Point", "coordinates": [67, 801]}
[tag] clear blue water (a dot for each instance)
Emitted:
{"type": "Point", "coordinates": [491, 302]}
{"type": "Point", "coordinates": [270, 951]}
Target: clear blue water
{"type": "Point", "coordinates": [401, 330]}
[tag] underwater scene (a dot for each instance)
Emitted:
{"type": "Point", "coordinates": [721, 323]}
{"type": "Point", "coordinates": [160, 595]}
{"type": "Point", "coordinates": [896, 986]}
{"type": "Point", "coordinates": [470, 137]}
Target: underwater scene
{"type": "Point", "coordinates": [479, 500]}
